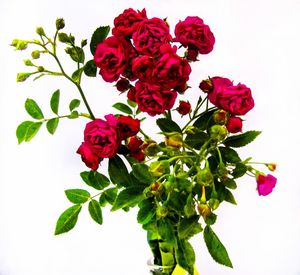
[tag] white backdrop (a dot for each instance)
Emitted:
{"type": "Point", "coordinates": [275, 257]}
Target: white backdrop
{"type": "Point", "coordinates": [257, 43]}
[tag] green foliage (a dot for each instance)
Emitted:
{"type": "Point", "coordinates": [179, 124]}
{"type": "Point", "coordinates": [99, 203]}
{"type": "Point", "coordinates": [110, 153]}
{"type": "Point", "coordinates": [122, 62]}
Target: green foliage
{"type": "Point", "coordinates": [32, 130]}
{"type": "Point", "coordinates": [241, 139]}
{"type": "Point", "coordinates": [229, 155]}
{"type": "Point", "coordinates": [77, 195]}
{"type": "Point", "coordinates": [168, 125]}
{"type": "Point", "coordinates": [239, 170]}
{"type": "Point", "coordinates": [68, 219]}
{"type": "Point", "coordinates": [146, 211]}
{"type": "Point", "coordinates": [108, 196]}
{"type": "Point", "coordinates": [185, 255]}
{"type": "Point", "coordinates": [95, 211]}
{"type": "Point", "coordinates": [166, 231]}
{"type": "Point", "coordinates": [90, 68]}
{"type": "Point", "coordinates": [52, 125]}
{"type": "Point", "coordinates": [76, 53]}
{"type": "Point", "coordinates": [123, 108]}
{"type": "Point", "coordinates": [98, 36]}
{"type": "Point", "coordinates": [215, 247]}
{"type": "Point", "coordinates": [204, 120]}
{"type": "Point", "coordinates": [54, 102]}
{"type": "Point", "coordinates": [76, 76]}
{"type": "Point", "coordinates": [33, 109]}
{"type": "Point", "coordinates": [95, 179]}
{"type": "Point", "coordinates": [74, 104]}
{"type": "Point", "coordinates": [196, 140]}
{"type": "Point", "coordinates": [188, 227]}
{"type": "Point", "coordinates": [22, 130]}
{"type": "Point", "coordinates": [118, 172]}
{"type": "Point", "coordinates": [141, 172]}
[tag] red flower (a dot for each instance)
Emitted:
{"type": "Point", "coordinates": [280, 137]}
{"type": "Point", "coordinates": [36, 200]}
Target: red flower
{"type": "Point", "coordinates": [234, 125]}
{"type": "Point", "coordinates": [90, 159]}
{"type": "Point", "coordinates": [111, 56]}
{"type": "Point", "coordinates": [214, 86]}
{"type": "Point", "coordinates": [142, 67]}
{"type": "Point", "coordinates": [153, 99]}
{"type": "Point", "coordinates": [131, 94]}
{"type": "Point", "coordinates": [192, 32]}
{"type": "Point", "coordinates": [128, 126]}
{"type": "Point", "coordinates": [134, 145]}
{"type": "Point", "coordinates": [184, 108]}
{"type": "Point", "coordinates": [265, 184]}
{"type": "Point", "coordinates": [122, 85]}
{"type": "Point", "coordinates": [127, 22]}
{"type": "Point", "coordinates": [150, 35]}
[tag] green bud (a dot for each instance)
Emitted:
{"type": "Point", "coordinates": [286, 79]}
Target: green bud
{"type": "Point", "coordinates": [161, 211]}
{"type": "Point", "coordinates": [214, 203]}
{"type": "Point", "coordinates": [220, 117]}
{"type": "Point", "coordinates": [159, 168]}
{"type": "Point", "coordinates": [35, 54]}
{"type": "Point", "coordinates": [28, 62]}
{"type": "Point", "coordinates": [205, 177]}
{"type": "Point", "coordinates": [218, 132]}
{"type": "Point", "coordinates": [150, 148]}
{"type": "Point", "coordinates": [60, 23]}
{"type": "Point", "coordinates": [41, 69]}
{"type": "Point", "coordinates": [173, 139]}
{"type": "Point", "coordinates": [22, 76]}
{"type": "Point", "coordinates": [19, 44]}
{"type": "Point", "coordinates": [204, 210]}
{"type": "Point", "coordinates": [40, 31]}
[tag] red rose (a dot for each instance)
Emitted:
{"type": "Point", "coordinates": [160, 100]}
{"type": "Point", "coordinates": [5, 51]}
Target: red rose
{"type": "Point", "coordinates": [122, 85]}
{"type": "Point", "coordinates": [153, 99]}
{"type": "Point", "coordinates": [237, 100]}
{"type": "Point", "coordinates": [192, 32]}
{"type": "Point", "coordinates": [90, 159]}
{"type": "Point", "coordinates": [142, 67]}
{"type": "Point", "coordinates": [171, 70]}
{"type": "Point", "coordinates": [128, 126]}
{"type": "Point", "coordinates": [191, 54]}
{"type": "Point", "coordinates": [131, 94]}
{"type": "Point", "coordinates": [111, 56]}
{"type": "Point", "coordinates": [150, 35]}
{"type": "Point", "coordinates": [127, 22]}
{"type": "Point", "coordinates": [265, 184]}
{"type": "Point", "coordinates": [134, 146]}
{"type": "Point", "coordinates": [234, 125]}
{"type": "Point", "coordinates": [102, 137]}
{"type": "Point", "coordinates": [184, 108]}
{"type": "Point", "coordinates": [216, 85]}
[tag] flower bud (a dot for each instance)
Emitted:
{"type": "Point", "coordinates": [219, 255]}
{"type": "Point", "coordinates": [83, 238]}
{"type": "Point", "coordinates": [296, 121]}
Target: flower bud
{"type": "Point", "coordinates": [181, 88]}
{"type": "Point", "coordinates": [191, 54]}
{"type": "Point", "coordinates": [213, 203]}
{"type": "Point", "coordinates": [22, 76]}
{"type": "Point", "coordinates": [205, 177]}
{"type": "Point", "coordinates": [161, 211]}
{"type": "Point", "coordinates": [35, 54]}
{"type": "Point", "coordinates": [28, 62]}
{"type": "Point", "coordinates": [150, 148]}
{"type": "Point", "coordinates": [204, 210]}
{"type": "Point", "coordinates": [206, 86]}
{"type": "Point", "coordinates": [271, 166]}
{"type": "Point", "coordinates": [60, 23]}
{"type": "Point", "coordinates": [19, 44]}
{"type": "Point", "coordinates": [131, 94]}
{"type": "Point", "coordinates": [41, 69]}
{"type": "Point", "coordinates": [159, 168]}
{"type": "Point", "coordinates": [218, 132]}
{"type": "Point", "coordinates": [184, 108]}
{"type": "Point", "coordinates": [123, 85]}
{"type": "Point", "coordinates": [173, 139]}
{"type": "Point", "coordinates": [234, 125]}
{"type": "Point", "coordinates": [40, 31]}
{"type": "Point", "coordinates": [155, 186]}
{"type": "Point", "coordinates": [220, 117]}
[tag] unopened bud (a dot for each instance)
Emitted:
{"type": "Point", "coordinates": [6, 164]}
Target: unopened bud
{"type": "Point", "coordinates": [214, 203]}
{"type": "Point", "coordinates": [191, 54]}
{"type": "Point", "coordinates": [218, 132]}
{"type": "Point", "coordinates": [41, 69]}
{"type": "Point", "coordinates": [35, 54]}
{"type": "Point", "coordinates": [155, 186]}
{"type": "Point", "coordinates": [205, 177]}
{"type": "Point", "coordinates": [159, 168]}
{"type": "Point", "coordinates": [22, 76]}
{"type": "Point", "coordinates": [161, 211]}
{"type": "Point", "coordinates": [184, 108]}
{"type": "Point", "coordinates": [150, 148]}
{"type": "Point", "coordinates": [60, 23]}
{"type": "Point", "coordinates": [19, 44]}
{"type": "Point", "coordinates": [271, 166]}
{"type": "Point", "coordinates": [220, 117]}
{"type": "Point", "coordinates": [28, 62]}
{"type": "Point", "coordinates": [174, 139]}
{"type": "Point", "coordinates": [123, 85]}
{"type": "Point", "coordinates": [204, 210]}
{"type": "Point", "coordinates": [206, 86]}
{"type": "Point", "coordinates": [40, 31]}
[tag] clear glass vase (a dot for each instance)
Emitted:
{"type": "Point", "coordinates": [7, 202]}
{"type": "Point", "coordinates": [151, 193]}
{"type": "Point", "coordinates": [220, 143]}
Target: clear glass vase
{"type": "Point", "coordinates": [158, 269]}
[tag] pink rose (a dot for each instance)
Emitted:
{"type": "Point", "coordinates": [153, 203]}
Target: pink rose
{"type": "Point", "coordinates": [127, 22]}
{"type": "Point", "coordinates": [153, 99]}
{"type": "Point", "coordinates": [193, 33]}
{"type": "Point", "coordinates": [128, 126]}
{"type": "Point", "coordinates": [171, 70]}
{"type": "Point", "coordinates": [111, 56]}
{"type": "Point", "coordinates": [142, 67]}
{"type": "Point", "coordinates": [90, 159]}
{"type": "Point", "coordinates": [265, 184]}
{"type": "Point", "coordinates": [237, 100]}
{"type": "Point", "coordinates": [150, 35]}
{"type": "Point", "coordinates": [234, 125]}
{"type": "Point", "coordinates": [102, 137]}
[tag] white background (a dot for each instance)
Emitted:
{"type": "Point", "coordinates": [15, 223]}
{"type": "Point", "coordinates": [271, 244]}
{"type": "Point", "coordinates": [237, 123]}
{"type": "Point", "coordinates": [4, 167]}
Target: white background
{"type": "Point", "coordinates": [257, 43]}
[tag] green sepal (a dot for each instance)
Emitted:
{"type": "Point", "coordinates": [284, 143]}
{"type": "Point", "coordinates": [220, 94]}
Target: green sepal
{"type": "Point", "coordinates": [98, 36]}
{"type": "Point", "coordinates": [33, 109]}
{"type": "Point", "coordinates": [77, 195]}
{"type": "Point", "coordinates": [68, 219]}
{"type": "Point", "coordinates": [241, 139]}
{"type": "Point", "coordinates": [95, 211]}
{"type": "Point", "coordinates": [215, 247]}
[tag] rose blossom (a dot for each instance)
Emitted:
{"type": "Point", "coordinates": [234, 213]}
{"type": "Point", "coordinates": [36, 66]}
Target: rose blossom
{"type": "Point", "coordinates": [111, 56]}
{"type": "Point", "coordinates": [214, 86]}
{"type": "Point", "coordinates": [265, 183]}
{"type": "Point", "coordinates": [102, 137]}
{"type": "Point", "coordinates": [134, 145]}
{"type": "Point", "coordinates": [128, 126]}
{"type": "Point", "coordinates": [184, 108]}
{"type": "Point", "coordinates": [90, 159]}
{"type": "Point", "coordinates": [153, 99]}
{"type": "Point", "coordinates": [234, 125]}
{"type": "Point", "coordinates": [142, 67]}
{"type": "Point", "coordinates": [150, 35]}
{"type": "Point", "coordinates": [127, 22]}
{"type": "Point", "coordinates": [131, 94]}
{"type": "Point", "coordinates": [123, 85]}
{"type": "Point", "coordinates": [192, 32]}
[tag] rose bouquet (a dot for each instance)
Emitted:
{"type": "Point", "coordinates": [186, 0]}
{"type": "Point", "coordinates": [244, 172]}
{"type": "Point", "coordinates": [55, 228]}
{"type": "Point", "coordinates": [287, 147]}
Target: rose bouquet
{"type": "Point", "coordinates": [178, 181]}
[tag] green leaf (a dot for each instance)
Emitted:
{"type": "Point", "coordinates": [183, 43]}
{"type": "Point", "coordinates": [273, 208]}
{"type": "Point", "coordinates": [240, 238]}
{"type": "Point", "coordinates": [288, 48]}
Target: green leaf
{"type": "Point", "coordinates": [118, 172]}
{"type": "Point", "coordinates": [185, 255]}
{"type": "Point", "coordinates": [146, 211]}
{"type": "Point", "coordinates": [76, 53]}
{"type": "Point", "coordinates": [67, 219]}
{"type": "Point", "coordinates": [230, 183]}
{"type": "Point", "coordinates": [95, 211]}
{"type": "Point", "coordinates": [54, 102]}
{"type": "Point", "coordinates": [166, 231]}
{"type": "Point", "coordinates": [168, 125]}
{"type": "Point", "coordinates": [241, 139]}
{"type": "Point", "coordinates": [229, 197]}
{"type": "Point", "coordinates": [188, 227]}
{"type": "Point", "coordinates": [73, 115]}
{"type": "Point", "coordinates": [74, 104]}
{"type": "Point", "coordinates": [215, 247]}
{"type": "Point", "coordinates": [83, 43]}
{"type": "Point", "coordinates": [98, 36]}
{"type": "Point", "coordinates": [76, 76]}
{"type": "Point", "coordinates": [128, 197]}
{"type": "Point", "coordinates": [131, 103]}
{"type": "Point", "coordinates": [22, 130]}
{"type": "Point", "coordinates": [196, 140]}
{"type": "Point", "coordinates": [108, 196]}
{"type": "Point", "coordinates": [210, 218]}
{"type": "Point", "coordinates": [52, 125]}
{"type": "Point", "coordinates": [229, 155]}
{"type": "Point", "coordinates": [239, 170]}
{"type": "Point", "coordinates": [95, 179]}
{"type": "Point", "coordinates": [123, 108]}
{"type": "Point", "coordinates": [77, 195]}
{"type": "Point", "coordinates": [204, 120]}
{"type": "Point", "coordinates": [33, 109]}
{"type": "Point", "coordinates": [141, 172]}
{"type": "Point", "coordinates": [32, 130]}
{"type": "Point", "coordinates": [90, 68]}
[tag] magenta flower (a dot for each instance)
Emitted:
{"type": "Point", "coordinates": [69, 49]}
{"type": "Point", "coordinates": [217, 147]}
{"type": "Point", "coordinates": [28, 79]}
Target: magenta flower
{"type": "Point", "coordinates": [265, 184]}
